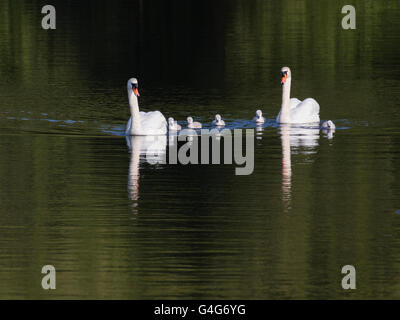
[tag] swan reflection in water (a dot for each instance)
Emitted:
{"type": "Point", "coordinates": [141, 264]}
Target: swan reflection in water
{"type": "Point", "coordinates": [295, 139]}
{"type": "Point", "coordinates": [299, 140]}
{"type": "Point", "coordinates": [143, 149]}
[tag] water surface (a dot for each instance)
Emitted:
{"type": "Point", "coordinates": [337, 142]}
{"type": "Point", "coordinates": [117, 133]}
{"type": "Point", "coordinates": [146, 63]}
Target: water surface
{"type": "Point", "coordinates": [72, 193]}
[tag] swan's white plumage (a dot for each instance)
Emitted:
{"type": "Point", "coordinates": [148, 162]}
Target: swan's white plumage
{"type": "Point", "coordinates": [306, 111]}
{"type": "Point", "coordinates": [293, 110]}
{"type": "Point", "coordinates": [152, 123]}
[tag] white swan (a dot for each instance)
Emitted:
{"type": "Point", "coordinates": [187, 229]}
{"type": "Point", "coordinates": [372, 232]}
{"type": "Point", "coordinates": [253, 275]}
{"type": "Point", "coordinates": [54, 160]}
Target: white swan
{"type": "Point", "coordinates": [259, 118]}
{"type": "Point", "coordinates": [173, 125]}
{"type": "Point", "coordinates": [218, 121]}
{"type": "Point", "coordinates": [193, 125]}
{"type": "Point", "coordinates": [293, 110]}
{"type": "Point", "coordinates": [143, 123]}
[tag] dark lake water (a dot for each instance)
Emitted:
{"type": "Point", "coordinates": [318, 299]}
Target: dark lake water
{"type": "Point", "coordinates": [114, 225]}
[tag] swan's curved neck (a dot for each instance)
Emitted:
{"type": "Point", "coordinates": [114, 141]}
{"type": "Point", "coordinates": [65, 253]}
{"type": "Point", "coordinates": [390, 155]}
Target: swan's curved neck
{"type": "Point", "coordinates": [285, 109]}
{"type": "Point", "coordinates": [134, 106]}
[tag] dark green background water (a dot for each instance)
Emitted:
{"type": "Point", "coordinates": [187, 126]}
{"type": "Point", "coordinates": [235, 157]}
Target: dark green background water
{"type": "Point", "coordinates": [73, 196]}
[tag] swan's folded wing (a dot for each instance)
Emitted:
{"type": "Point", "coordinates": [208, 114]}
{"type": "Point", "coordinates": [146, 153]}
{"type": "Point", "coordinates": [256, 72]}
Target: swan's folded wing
{"type": "Point", "coordinates": [314, 106]}
{"type": "Point", "coordinates": [153, 121]}
{"type": "Point", "coordinates": [294, 102]}
{"type": "Point", "coordinates": [305, 112]}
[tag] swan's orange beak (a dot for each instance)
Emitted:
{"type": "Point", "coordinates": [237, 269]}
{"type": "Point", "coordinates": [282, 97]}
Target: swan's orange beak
{"type": "Point", "coordinates": [283, 80]}
{"type": "Point", "coordinates": [136, 92]}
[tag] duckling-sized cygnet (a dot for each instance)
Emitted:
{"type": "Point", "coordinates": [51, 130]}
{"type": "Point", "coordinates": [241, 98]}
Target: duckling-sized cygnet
{"type": "Point", "coordinates": [193, 125]}
{"type": "Point", "coordinates": [218, 121]}
{"type": "Point", "coordinates": [328, 125]}
{"type": "Point", "coordinates": [259, 118]}
{"type": "Point", "coordinates": [173, 125]}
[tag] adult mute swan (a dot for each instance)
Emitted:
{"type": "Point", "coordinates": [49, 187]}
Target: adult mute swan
{"type": "Point", "coordinates": [143, 123]}
{"type": "Point", "coordinates": [259, 118]}
{"type": "Point", "coordinates": [293, 110]}
{"type": "Point", "coordinates": [218, 121]}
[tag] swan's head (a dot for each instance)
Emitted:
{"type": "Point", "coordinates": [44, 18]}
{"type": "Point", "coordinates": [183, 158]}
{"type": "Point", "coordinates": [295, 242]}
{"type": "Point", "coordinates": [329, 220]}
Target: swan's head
{"type": "Point", "coordinates": [190, 120]}
{"type": "Point", "coordinates": [259, 113]}
{"type": "Point", "coordinates": [218, 118]}
{"type": "Point", "coordinates": [285, 75]}
{"type": "Point", "coordinates": [171, 121]}
{"type": "Point", "coordinates": [133, 85]}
